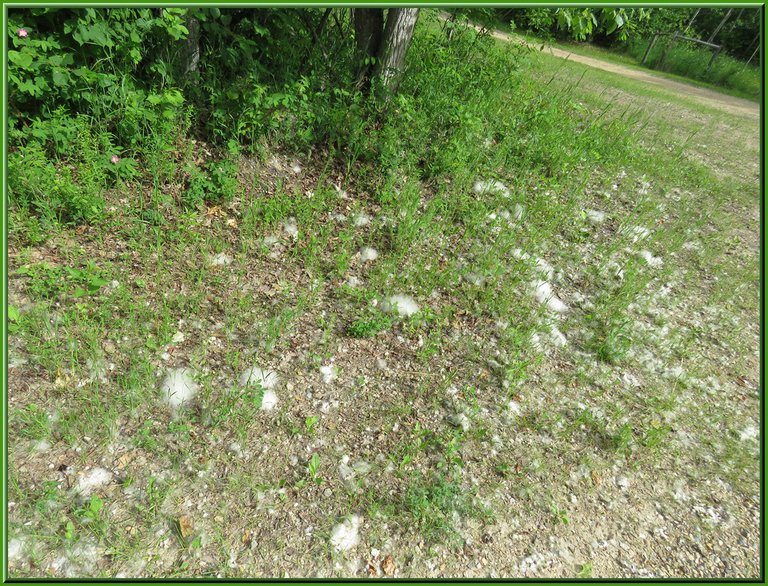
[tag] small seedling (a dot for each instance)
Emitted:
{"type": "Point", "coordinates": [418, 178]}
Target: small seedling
{"type": "Point", "coordinates": [310, 423]}
{"type": "Point", "coordinates": [585, 572]}
{"type": "Point", "coordinates": [313, 467]}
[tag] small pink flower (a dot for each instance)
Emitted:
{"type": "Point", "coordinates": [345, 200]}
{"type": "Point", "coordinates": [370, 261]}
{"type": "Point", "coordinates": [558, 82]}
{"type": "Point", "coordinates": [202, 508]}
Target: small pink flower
{"type": "Point", "coordinates": [23, 33]}
{"type": "Point", "coordinates": [115, 159]}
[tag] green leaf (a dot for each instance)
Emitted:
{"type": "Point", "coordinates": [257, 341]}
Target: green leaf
{"type": "Point", "coordinates": [96, 504]}
{"type": "Point", "coordinates": [23, 60]}
{"type": "Point", "coordinates": [13, 313]}
{"type": "Point", "coordinates": [80, 292]}
{"type": "Point", "coordinates": [60, 78]}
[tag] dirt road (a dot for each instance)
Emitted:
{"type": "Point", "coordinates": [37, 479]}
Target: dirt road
{"type": "Point", "coordinates": [702, 95]}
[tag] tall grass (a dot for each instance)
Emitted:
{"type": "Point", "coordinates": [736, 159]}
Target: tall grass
{"type": "Point", "coordinates": [686, 59]}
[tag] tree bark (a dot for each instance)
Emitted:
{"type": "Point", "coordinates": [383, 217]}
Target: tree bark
{"type": "Point", "coordinates": [191, 44]}
{"type": "Point", "coordinates": [369, 23]}
{"type": "Point", "coordinates": [394, 46]}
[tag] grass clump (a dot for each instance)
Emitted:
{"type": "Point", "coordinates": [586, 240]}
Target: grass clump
{"type": "Point", "coordinates": [370, 326]}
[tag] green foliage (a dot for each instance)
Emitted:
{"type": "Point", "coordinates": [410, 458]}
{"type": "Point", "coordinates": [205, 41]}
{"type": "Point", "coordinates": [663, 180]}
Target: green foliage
{"type": "Point", "coordinates": [213, 182]}
{"type": "Point", "coordinates": [313, 468]}
{"type": "Point", "coordinates": [94, 60]}
{"type": "Point", "coordinates": [47, 281]}
{"type": "Point", "coordinates": [369, 327]}
{"type": "Point", "coordinates": [578, 23]}
{"type": "Point", "coordinates": [583, 23]}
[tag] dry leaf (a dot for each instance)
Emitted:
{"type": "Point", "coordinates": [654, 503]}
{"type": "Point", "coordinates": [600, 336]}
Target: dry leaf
{"type": "Point", "coordinates": [745, 382]}
{"type": "Point", "coordinates": [388, 566]}
{"type": "Point", "coordinates": [232, 223]}
{"type": "Point", "coordinates": [595, 478]}
{"type": "Point", "coordinates": [246, 538]}
{"type": "Point", "coordinates": [125, 459]}
{"type": "Point", "coordinates": [372, 573]}
{"type": "Point", "coordinates": [185, 527]}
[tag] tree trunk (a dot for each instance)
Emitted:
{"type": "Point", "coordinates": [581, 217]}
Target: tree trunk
{"type": "Point", "coordinates": [369, 23]}
{"type": "Point", "coordinates": [394, 46]}
{"type": "Point", "coordinates": [191, 45]}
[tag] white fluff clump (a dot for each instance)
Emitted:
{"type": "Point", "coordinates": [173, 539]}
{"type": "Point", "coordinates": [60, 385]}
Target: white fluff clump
{"type": "Point", "coordinates": [520, 255]}
{"type": "Point", "coordinates": [544, 267]}
{"type": "Point", "coordinates": [344, 536]}
{"type": "Point", "coordinates": [353, 281]}
{"type": "Point", "coordinates": [349, 471]}
{"type": "Point", "coordinates": [653, 261]}
{"type": "Point", "coordinates": [403, 304]}
{"type": "Point", "coordinates": [270, 240]}
{"type": "Point", "coordinates": [749, 433]}
{"type": "Point", "coordinates": [268, 401]}
{"type": "Point", "coordinates": [460, 420]}
{"type": "Point", "coordinates": [518, 212]}
{"type": "Point", "coordinates": [595, 216]}
{"type": "Point", "coordinates": [267, 380]}
{"type": "Point", "coordinates": [290, 228]}
{"type": "Point", "coordinates": [92, 480]}
{"type": "Point", "coordinates": [221, 259]}
{"type": "Point", "coordinates": [15, 547]}
{"type": "Point", "coordinates": [475, 279]}
{"type": "Point", "coordinates": [178, 387]}
{"type": "Point", "coordinates": [489, 186]}
{"type": "Point", "coordinates": [557, 337]}
{"type": "Point", "coordinates": [638, 233]}
{"type": "Point", "coordinates": [544, 294]}
{"type": "Point", "coordinates": [368, 254]}
{"type": "Point", "coordinates": [361, 220]}
{"type": "Point", "coordinates": [329, 373]}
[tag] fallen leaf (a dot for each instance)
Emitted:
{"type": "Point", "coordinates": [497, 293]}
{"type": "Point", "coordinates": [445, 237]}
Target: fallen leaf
{"type": "Point", "coordinates": [388, 566]}
{"type": "Point", "coordinates": [125, 459]}
{"type": "Point", "coordinates": [745, 382]}
{"type": "Point", "coordinates": [246, 538]}
{"type": "Point", "coordinates": [595, 478]}
{"type": "Point", "coordinates": [232, 223]}
{"type": "Point", "coordinates": [372, 573]}
{"type": "Point", "coordinates": [185, 527]}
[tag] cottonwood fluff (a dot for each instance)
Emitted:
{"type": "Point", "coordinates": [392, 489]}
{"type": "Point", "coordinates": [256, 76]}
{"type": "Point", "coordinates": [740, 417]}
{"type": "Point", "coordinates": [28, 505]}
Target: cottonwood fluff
{"type": "Point", "coordinates": [267, 380]}
{"type": "Point", "coordinates": [329, 373]}
{"type": "Point", "coordinates": [595, 216]}
{"type": "Point", "coordinates": [92, 480]}
{"type": "Point", "coordinates": [403, 304]}
{"type": "Point", "coordinates": [489, 186]}
{"type": "Point", "coordinates": [368, 254]}
{"type": "Point", "coordinates": [653, 261]}
{"type": "Point", "coordinates": [345, 535]}
{"type": "Point", "coordinates": [290, 228]}
{"type": "Point", "coordinates": [361, 220]}
{"type": "Point", "coordinates": [544, 294]}
{"type": "Point", "coordinates": [221, 259]}
{"type": "Point", "coordinates": [179, 387]}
